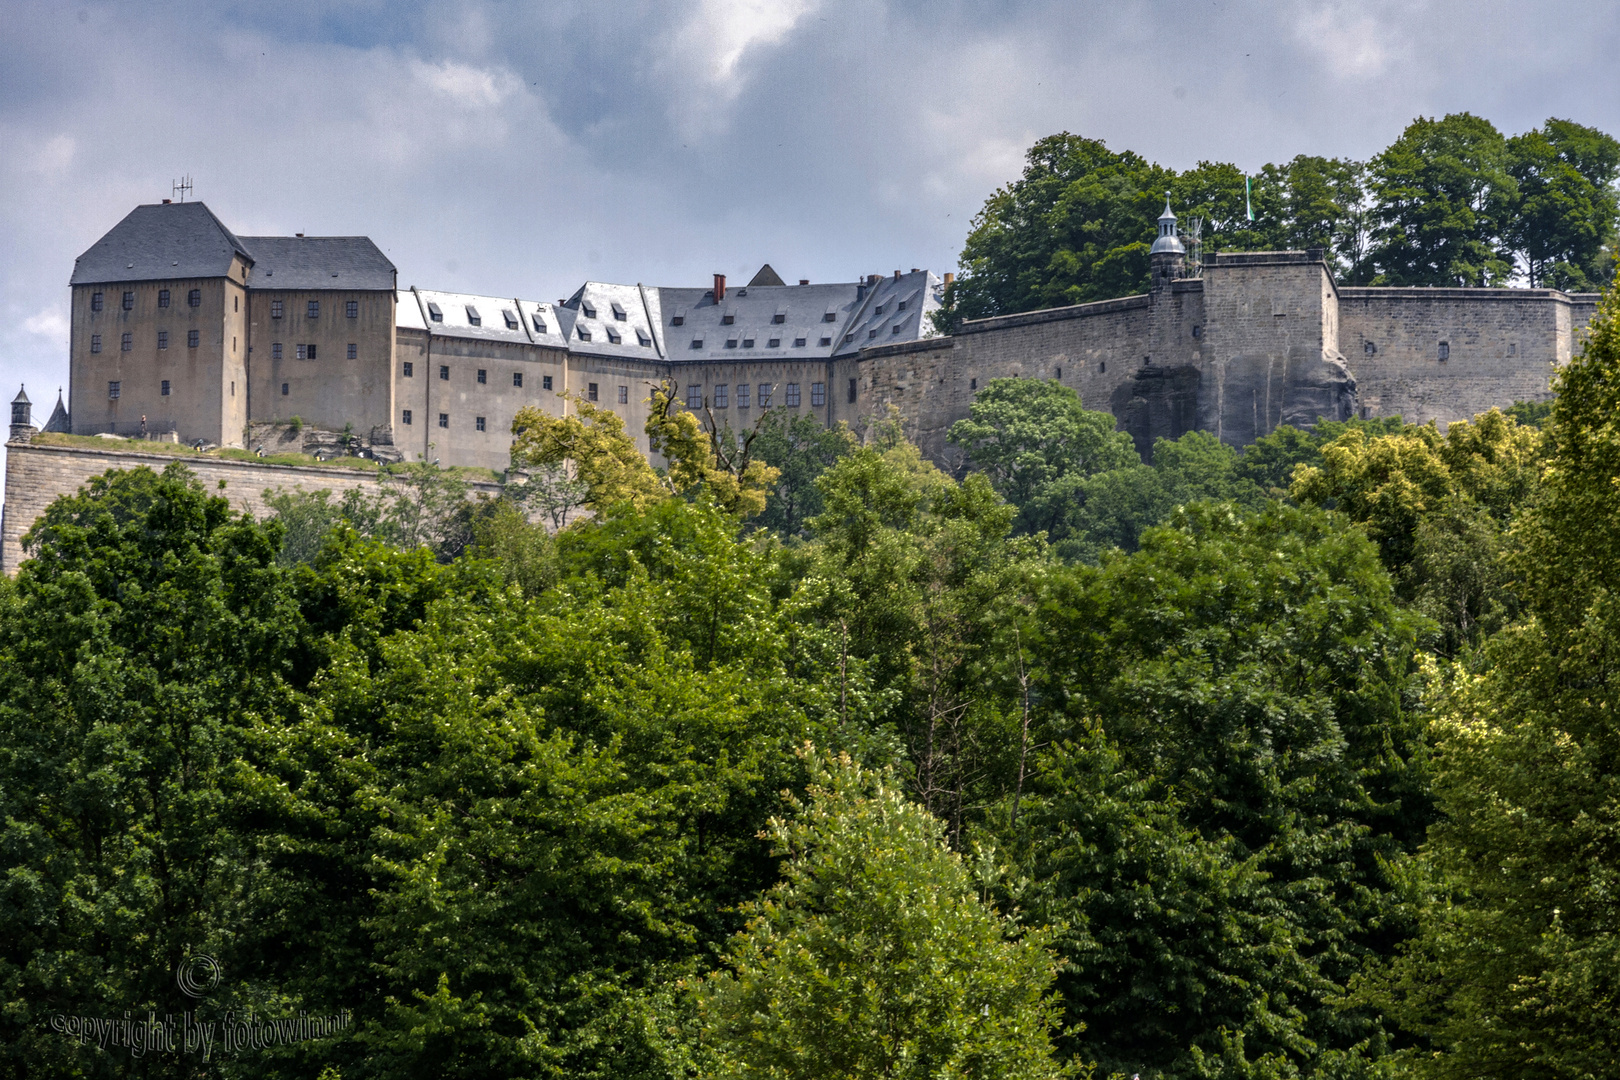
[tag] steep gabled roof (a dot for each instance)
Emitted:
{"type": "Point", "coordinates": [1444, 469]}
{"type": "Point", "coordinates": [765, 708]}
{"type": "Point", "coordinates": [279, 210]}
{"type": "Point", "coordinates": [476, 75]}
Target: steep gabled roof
{"type": "Point", "coordinates": [318, 262]}
{"type": "Point", "coordinates": [164, 240]}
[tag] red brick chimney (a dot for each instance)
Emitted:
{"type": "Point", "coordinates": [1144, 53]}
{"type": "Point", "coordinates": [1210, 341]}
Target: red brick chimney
{"type": "Point", "coordinates": [719, 287]}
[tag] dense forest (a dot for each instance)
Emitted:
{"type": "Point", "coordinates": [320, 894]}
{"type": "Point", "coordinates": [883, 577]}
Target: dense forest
{"type": "Point", "coordinates": [1452, 202]}
{"type": "Point", "coordinates": [799, 757]}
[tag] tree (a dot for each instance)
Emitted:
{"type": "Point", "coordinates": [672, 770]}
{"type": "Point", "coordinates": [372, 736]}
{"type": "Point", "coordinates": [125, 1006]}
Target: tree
{"type": "Point", "coordinates": [875, 956]}
{"type": "Point", "coordinates": [1028, 435]}
{"type": "Point", "coordinates": [593, 443]}
{"type": "Point", "coordinates": [1563, 228]}
{"type": "Point", "coordinates": [1443, 196]}
{"type": "Point", "coordinates": [1237, 781]}
{"type": "Point", "coordinates": [801, 447]}
{"type": "Point", "coordinates": [1514, 969]}
{"type": "Point", "coordinates": [708, 457]}
{"type": "Point", "coordinates": [148, 641]}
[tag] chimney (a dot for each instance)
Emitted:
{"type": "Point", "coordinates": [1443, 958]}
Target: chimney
{"type": "Point", "coordinates": [873, 279]}
{"type": "Point", "coordinates": [949, 277]}
{"type": "Point", "coordinates": [719, 287]}
{"type": "Point", "coordinates": [897, 275]}
{"type": "Point", "coordinates": [914, 270]}
{"type": "Point", "coordinates": [804, 281]}
{"type": "Point", "coordinates": [166, 202]}
{"type": "Point", "coordinates": [299, 235]}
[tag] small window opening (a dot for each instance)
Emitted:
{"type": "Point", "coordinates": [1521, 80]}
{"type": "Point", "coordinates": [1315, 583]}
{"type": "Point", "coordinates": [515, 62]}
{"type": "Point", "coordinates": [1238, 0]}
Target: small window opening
{"type": "Point", "coordinates": [545, 382]}
{"type": "Point", "coordinates": [483, 375]}
{"type": "Point", "coordinates": [435, 312]}
{"type": "Point", "coordinates": [473, 318]}
{"type": "Point", "coordinates": [624, 395]}
{"type": "Point", "coordinates": [1445, 350]}
{"type": "Point", "coordinates": [618, 311]}
{"type": "Point", "coordinates": [590, 391]}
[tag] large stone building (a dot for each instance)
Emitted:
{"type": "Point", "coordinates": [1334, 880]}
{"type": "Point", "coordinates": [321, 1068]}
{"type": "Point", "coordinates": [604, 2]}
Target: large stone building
{"type": "Point", "coordinates": [181, 327]}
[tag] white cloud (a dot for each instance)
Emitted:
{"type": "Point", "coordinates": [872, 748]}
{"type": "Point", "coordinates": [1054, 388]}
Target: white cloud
{"type": "Point", "coordinates": [51, 323]}
{"type": "Point", "coordinates": [1351, 41]}
{"type": "Point", "coordinates": [724, 30]}
{"type": "Point", "coordinates": [467, 86]}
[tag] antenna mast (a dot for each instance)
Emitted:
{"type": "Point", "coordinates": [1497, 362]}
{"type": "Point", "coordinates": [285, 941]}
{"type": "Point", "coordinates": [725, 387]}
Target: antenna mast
{"type": "Point", "coordinates": [182, 187]}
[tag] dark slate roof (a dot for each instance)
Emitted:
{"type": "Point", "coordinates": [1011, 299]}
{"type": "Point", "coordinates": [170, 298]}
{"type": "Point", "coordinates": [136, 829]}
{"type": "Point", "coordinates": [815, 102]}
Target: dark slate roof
{"type": "Point", "coordinates": [318, 262]}
{"type": "Point", "coordinates": [59, 421]}
{"type": "Point", "coordinates": [766, 276]}
{"type": "Point", "coordinates": [165, 240]}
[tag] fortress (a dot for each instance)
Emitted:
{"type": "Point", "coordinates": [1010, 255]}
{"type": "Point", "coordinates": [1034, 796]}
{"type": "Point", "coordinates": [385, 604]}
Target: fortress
{"type": "Point", "coordinates": [183, 330]}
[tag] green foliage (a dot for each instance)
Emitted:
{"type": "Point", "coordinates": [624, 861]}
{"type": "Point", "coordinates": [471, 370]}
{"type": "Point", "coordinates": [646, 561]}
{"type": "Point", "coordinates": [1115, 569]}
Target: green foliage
{"type": "Point", "coordinates": [142, 648]}
{"type": "Point", "coordinates": [875, 955]}
{"type": "Point", "coordinates": [1513, 971]}
{"type": "Point", "coordinates": [1235, 777]}
{"type": "Point", "coordinates": [801, 448]}
{"type": "Point", "coordinates": [1033, 439]}
{"type": "Point", "coordinates": [1450, 202]}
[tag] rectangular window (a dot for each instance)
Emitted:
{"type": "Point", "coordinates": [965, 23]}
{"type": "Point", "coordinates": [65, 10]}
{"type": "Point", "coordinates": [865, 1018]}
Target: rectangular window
{"type": "Point", "coordinates": [798, 342]}
{"type": "Point", "coordinates": [643, 338]}
{"type": "Point", "coordinates": [728, 318]}
{"type": "Point", "coordinates": [614, 335]}
{"type": "Point", "coordinates": [275, 309]}
{"type": "Point", "coordinates": [539, 325]}
{"type": "Point", "coordinates": [405, 417]}
{"type": "Point", "coordinates": [694, 396]}
{"type": "Point", "coordinates": [511, 318]}
{"type": "Point", "coordinates": [748, 343]}
{"type": "Point", "coordinates": [435, 313]}
{"type": "Point", "coordinates": [409, 370]}
{"type": "Point", "coordinates": [584, 332]}
{"type": "Point", "coordinates": [779, 318]}
{"type": "Point", "coordinates": [742, 395]}
{"type": "Point", "coordinates": [588, 308]}
{"type": "Point", "coordinates": [163, 388]}
{"type": "Point", "coordinates": [303, 352]}
{"type": "Point", "coordinates": [129, 301]}
{"type": "Point", "coordinates": [792, 396]}
{"type": "Point", "coordinates": [97, 301]}
{"type": "Point", "coordinates": [194, 298]}
{"type": "Point", "coordinates": [163, 298]}
{"type": "Point", "coordinates": [275, 350]}
{"type": "Point", "coordinates": [483, 375]}
{"type": "Point", "coordinates": [722, 397]}
{"type": "Point", "coordinates": [444, 420]}
{"type": "Point", "coordinates": [872, 333]}
{"type": "Point", "coordinates": [590, 392]}
{"type": "Point", "coordinates": [478, 422]}
{"type": "Point", "coordinates": [352, 309]}
{"type": "Point", "coordinates": [517, 378]}
{"type": "Point", "coordinates": [624, 395]}
{"type": "Point", "coordinates": [313, 310]}
{"type": "Point", "coordinates": [126, 343]}
{"type": "Point", "coordinates": [354, 351]}
{"type": "Point", "coordinates": [818, 395]}
{"type": "Point", "coordinates": [114, 389]}
{"type": "Point", "coordinates": [163, 339]}
{"type": "Point", "coordinates": [545, 382]}
{"type": "Point", "coordinates": [764, 395]}
{"type": "Point", "coordinates": [830, 316]}
{"type": "Point", "coordinates": [697, 343]}
{"type": "Point", "coordinates": [473, 318]}
{"type": "Point", "coordinates": [284, 389]}
{"type": "Point", "coordinates": [731, 343]}
{"type": "Point", "coordinates": [193, 339]}
{"type": "Point", "coordinates": [618, 311]}
{"type": "Point", "coordinates": [1445, 349]}
{"type": "Point", "coordinates": [852, 391]}
{"type": "Point", "coordinates": [774, 343]}
{"type": "Point", "coordinates": [678, 319]}
{"type": "Point", "coordinates": [444, 372]}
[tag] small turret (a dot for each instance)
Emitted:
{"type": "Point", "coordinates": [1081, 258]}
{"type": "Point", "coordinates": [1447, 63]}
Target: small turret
{"type": "Point", "coordinates": [22, 427]}
{"type": "Point", "coordinates": [1168, 256]}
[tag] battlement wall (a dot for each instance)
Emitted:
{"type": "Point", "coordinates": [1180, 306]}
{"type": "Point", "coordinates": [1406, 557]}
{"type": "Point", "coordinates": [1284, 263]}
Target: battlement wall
{"type": "Point", "coordinates": [38, 474]}
{"type": "Point", "coordinates": [1449, 354]}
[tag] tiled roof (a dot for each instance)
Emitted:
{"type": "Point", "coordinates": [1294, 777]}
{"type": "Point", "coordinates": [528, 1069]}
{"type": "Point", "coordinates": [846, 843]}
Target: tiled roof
{"type": "Point", "coordinates": [163, 240]}
{"type": "Point", "coordinates": [318, 262]}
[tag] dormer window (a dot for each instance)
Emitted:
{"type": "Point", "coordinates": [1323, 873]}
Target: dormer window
{"type": "Point", "coordinates": [435, 312]}
{"type": "Point", "coordinates": [679, 318]}
{"type": "Point", "coordinates": [511, 318]}
{"type": "Point", "coordinates": [748, 343]}
{"type": "Point", "coordinates": [780, 317]}
{"type": "Point", "coordinates": [728, 318]}
{"type": "Point", "coordinates": [879, 310]}
{"type": "Point", "coordinates": [831, 315]}
{"type": "Point", "coordinates": [613, 335]}
{"type": "Point", "coordinates": [473, 318]}
{"type": "Point", "coordinates": [588, 308]}
{"type": "Point", "coordinates": [643, 338]}
{"type": "Point", "coordinates": [584, 333]}
{"type": "Point", "coordinates": [901, 306]}
{"type": "Point", "coordinates": [540, 324]}
{"type": "Point", "coordinates": [618, 311]}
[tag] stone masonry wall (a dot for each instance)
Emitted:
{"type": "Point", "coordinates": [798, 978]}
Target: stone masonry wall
{"type": "Point", "coordinates": [1501, 346]}
{"type": "Point", "coordinates": [38, 474]}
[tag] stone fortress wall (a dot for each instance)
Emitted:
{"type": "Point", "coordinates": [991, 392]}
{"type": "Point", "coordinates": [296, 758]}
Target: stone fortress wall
{"type": "Point", "coordinates": [1236, 346]}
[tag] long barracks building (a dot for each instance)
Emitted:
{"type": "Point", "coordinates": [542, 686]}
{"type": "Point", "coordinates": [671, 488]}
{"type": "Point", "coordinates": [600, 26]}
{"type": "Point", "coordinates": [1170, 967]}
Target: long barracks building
{"type": "Point", "coordinates": [181, 328]}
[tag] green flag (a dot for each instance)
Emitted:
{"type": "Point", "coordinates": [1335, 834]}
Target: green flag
{"type": "Point", "coordinates": [1248, 198]}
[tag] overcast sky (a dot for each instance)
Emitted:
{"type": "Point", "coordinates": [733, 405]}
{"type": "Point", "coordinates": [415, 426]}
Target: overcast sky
{"type": "Point", "coordinates": [520, 148]}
